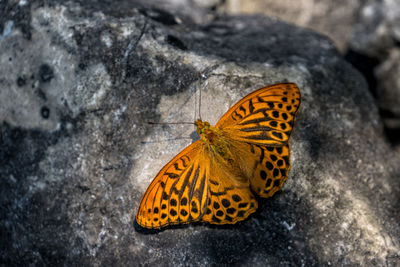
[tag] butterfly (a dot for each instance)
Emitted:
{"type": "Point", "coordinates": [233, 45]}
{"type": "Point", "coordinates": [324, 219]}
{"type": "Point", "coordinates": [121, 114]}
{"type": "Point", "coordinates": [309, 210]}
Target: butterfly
{"type": "Point", "coordinates": [216, 178]}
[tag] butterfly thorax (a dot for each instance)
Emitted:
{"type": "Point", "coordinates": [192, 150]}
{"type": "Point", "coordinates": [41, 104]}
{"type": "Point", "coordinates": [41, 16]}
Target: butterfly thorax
{"type": "Point", "coordinates": [211, 136]}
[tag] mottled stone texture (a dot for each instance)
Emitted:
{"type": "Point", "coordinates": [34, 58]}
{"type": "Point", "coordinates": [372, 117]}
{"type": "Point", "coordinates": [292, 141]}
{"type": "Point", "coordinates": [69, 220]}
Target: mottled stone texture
{"type": "Point", "coordinates": [333, 18]}
{"type": "Point", "coordinates": [80, 81]}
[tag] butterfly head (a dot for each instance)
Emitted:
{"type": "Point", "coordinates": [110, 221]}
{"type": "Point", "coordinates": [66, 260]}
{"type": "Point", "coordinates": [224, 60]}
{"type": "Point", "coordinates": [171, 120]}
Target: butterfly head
{"type": "Point", "coordinates": [202, 126]}
{"type": "Point", "coordinates": [207, 132]}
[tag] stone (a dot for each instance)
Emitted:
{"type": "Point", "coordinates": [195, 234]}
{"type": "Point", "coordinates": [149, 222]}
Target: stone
{"type": "Point", "coordinates": [335, 19]}
{"type": "Point", "coordinates": [78, 154]}
{"type": "Point", "coordinates": [374, 43]}
{"type": "Point", "coordinates": [388, 94]}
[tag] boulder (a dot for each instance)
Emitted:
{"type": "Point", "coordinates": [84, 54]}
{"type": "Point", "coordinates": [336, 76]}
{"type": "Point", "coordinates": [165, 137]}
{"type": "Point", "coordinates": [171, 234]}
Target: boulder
{"type": "Point", "coordinates": [80, 84]}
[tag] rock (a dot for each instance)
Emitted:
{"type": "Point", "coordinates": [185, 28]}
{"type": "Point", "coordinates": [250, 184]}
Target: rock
{"type": "Point", "coordinates": [77, 155]}
{"type": "Point", "coordinates": [335, 19]}
{"type": "Point", "coordinates": [388, 90]}
{"type": "Point", "coordinates": [376, 37]}
{"type": "Point", "coordinates": [377, 28]}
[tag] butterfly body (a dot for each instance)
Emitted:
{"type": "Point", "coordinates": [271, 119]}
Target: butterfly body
{"type": "Point", "coordinates": [212, 140]}
{"type": "Point", "coordinates": [215, 179]}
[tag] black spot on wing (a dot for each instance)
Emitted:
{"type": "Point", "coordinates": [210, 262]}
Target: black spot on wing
{"type": "Point", "coordinates": [176, 166]}
{"type": "Point", "coordinates": [251, 106]}
{"type": "Point", "coordinates": [172, 175]}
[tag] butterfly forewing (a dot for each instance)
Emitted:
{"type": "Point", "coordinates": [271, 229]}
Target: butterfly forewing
{"type": "Point", "coordinates": [178, 192]}
{"type": "Point", "coordinates": [190, 188]}
{"type": "Point", "coordinates": [264, 117]}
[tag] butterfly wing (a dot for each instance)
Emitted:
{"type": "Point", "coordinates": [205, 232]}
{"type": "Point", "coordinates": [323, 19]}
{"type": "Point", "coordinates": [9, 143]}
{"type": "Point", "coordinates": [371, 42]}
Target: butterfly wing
{"type": "Point", "coordinates": [264, 117]}
{"type": "Point", "coordinates": [195, 186]}
{"type": "Point", "coordinates": [266, 167]}
{"type": "Point", "coordinates": [178, 193]}
{"type": "Point", "coordinates": [229, 198]}
{"type": "Point", "coordinates": [257, 129]}
{"type": "Point", "coordinates": [271, 170]}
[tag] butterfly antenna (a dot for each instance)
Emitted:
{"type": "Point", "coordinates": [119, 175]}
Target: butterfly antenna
{"type": "Point", "coordinates": [200, 103]}
{"type": "Point", "coordinates": [166, 123]}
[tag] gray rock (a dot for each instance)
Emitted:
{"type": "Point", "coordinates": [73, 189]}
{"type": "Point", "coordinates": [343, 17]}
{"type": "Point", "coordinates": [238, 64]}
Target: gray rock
{"type": "Point", "coordinates": [376, 37]}
{"type": "Point", "coordinates": [377, 28]}
{"type": "Point", "coordinates": [388, 76]}
{"type": "Point", "coordinates": [72, 180]}
{"type": "Point", "coordinates": [388, 95]}
{"type": "Point", "coordinates": [335, 19]}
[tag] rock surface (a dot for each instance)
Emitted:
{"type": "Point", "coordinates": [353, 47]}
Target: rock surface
{"type": "Point", "coordinates": [335, 19]}
{"type": "Point", "coordinates": [79, 82]}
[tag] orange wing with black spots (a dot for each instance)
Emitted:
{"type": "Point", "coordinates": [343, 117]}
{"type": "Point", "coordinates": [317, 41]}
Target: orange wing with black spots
{"type": "Point", "coordinates": [178, 193]}
{"type": "Point", "coordinates": [229, 198]}
{"type": "Point", "coordinates": [270, 168]}
{"type": "Point", "coordinates": [264, 121]}
{"type": "Point", "coordinates": [192, 188]}
{"type": "Point", "coordinates": [264, 117]}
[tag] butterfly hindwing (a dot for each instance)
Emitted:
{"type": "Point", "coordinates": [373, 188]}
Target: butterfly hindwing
{"type": "Point", "coordinates": [264, 117]}
{"type": "Point", "coordinates": [270, 170]}
{"type": "Point", "coordinates": [265, 167]}
{"type": "Point", "coordinates": [229, 197]}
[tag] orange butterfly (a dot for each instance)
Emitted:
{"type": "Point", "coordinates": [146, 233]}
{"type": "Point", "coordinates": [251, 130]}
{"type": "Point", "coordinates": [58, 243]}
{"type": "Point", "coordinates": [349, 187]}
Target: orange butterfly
{"type": "Point", "coordinates": [213, 179]}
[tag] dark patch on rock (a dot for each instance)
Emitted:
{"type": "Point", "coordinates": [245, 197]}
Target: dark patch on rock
{"type": "Point", "coordinates": [21, 81]}
{"type": "Point", "coordinates": [45, 73]}
{"type": "Point", "coordinates": [159, 15]}
{"type": "Point", "coordinates": [226, 39]}
{"type": "Point", "coordinates": [82, 66]}
{"type": "Point", "coordinates": [172, 40]}
{"type": "Point", "coordinates": [39, 215]}
{"type": "Point", "coordinates": [366, 65]}
{"type": "Point", "coordinates": [45, 112]}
